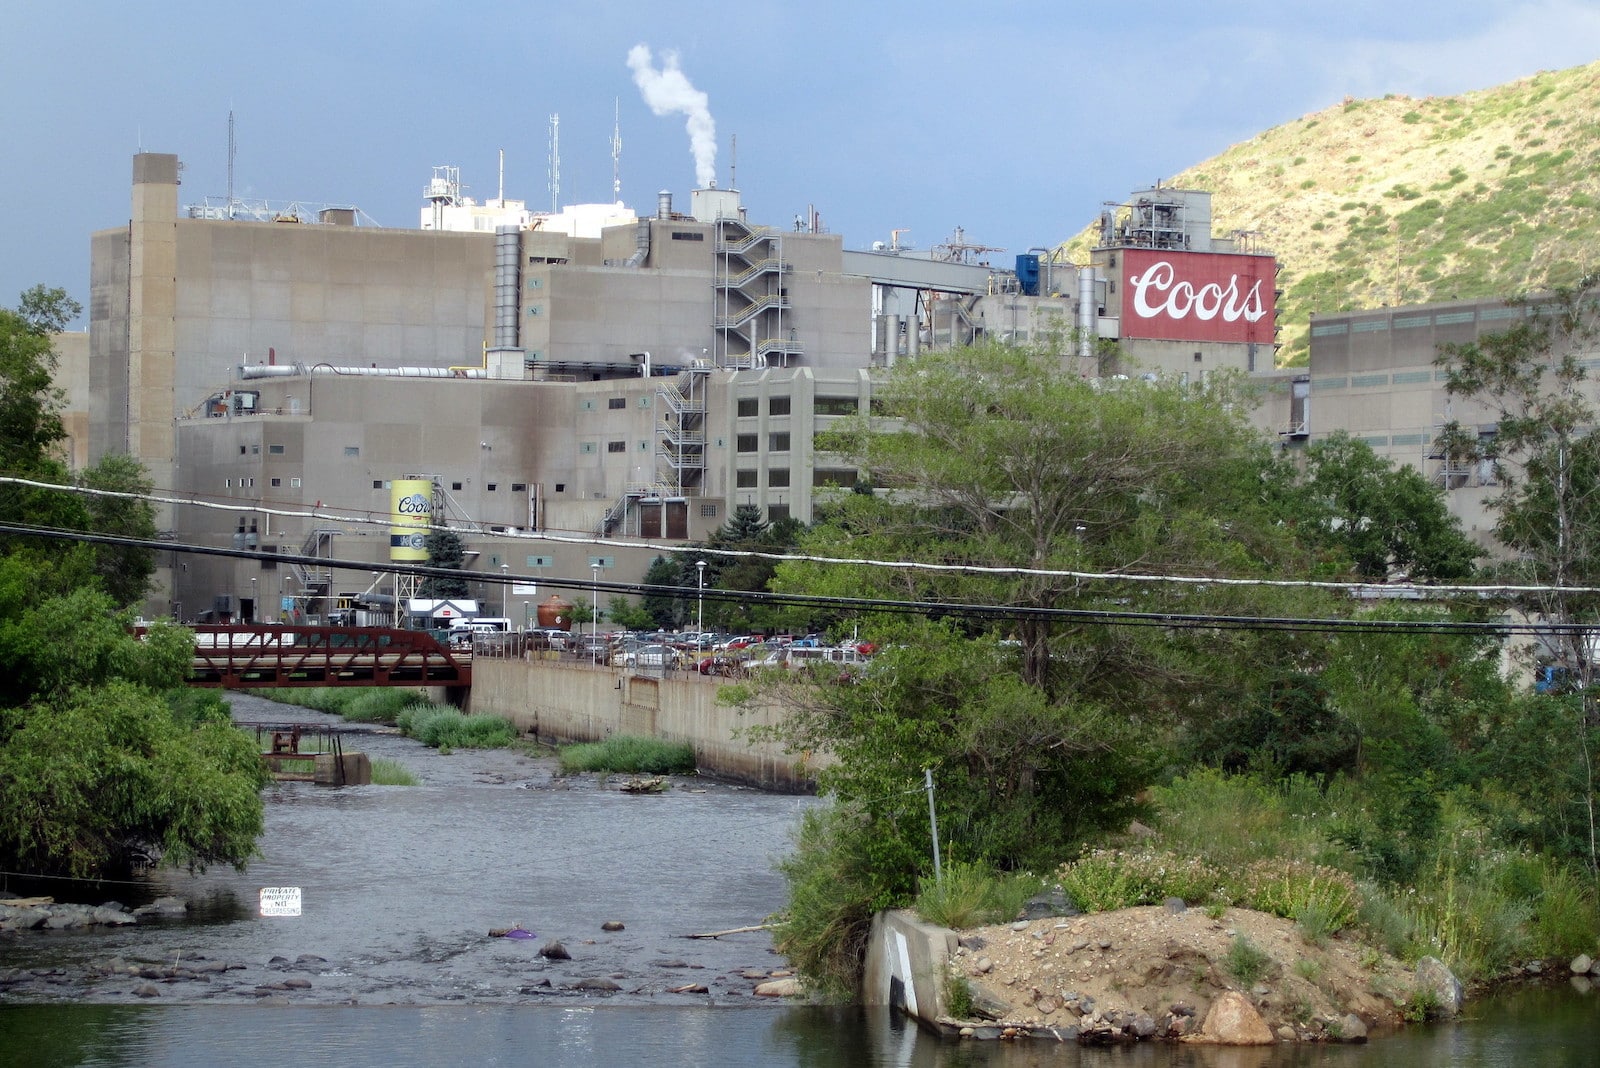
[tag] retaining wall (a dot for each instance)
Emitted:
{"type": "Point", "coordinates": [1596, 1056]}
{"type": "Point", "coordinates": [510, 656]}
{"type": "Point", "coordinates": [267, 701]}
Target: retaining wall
{"type": "Point", "coordinates": [560, 701]}
{"type": "Point", "coordinates": [906, 963]}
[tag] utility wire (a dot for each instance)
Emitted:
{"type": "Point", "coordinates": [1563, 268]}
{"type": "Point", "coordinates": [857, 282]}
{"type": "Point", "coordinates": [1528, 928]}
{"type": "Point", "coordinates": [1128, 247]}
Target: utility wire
{"type": "Point", "coordinates": [821, 603]}
{"type": "Point", "coordinates": [373, 519]}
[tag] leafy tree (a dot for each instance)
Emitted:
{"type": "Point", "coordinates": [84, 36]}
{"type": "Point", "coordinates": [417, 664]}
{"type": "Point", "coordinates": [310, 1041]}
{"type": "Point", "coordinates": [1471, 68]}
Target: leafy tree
{"type": "Point", "coordinates": [1546, 457]}
{"type": "Point", "coordinates": [746, 531]}
{"type": "Point", "coordinates": [1382, 516]}
{"type": "Point", "coordinates": [666, 611]}
{"type": "Point", "coordinates": [628, 615]}
{"type": "Point", "coordinates": [446, 550]}
{"type": "Point", "coordinates": [98, 757]}
{"type": "Point", "coordinates": [124, 570]}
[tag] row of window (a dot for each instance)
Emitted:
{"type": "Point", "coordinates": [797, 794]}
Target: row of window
{"type": "Point", "coordinates": [778, 478]}
{"type": "Point", "coordinates": [747, 407]}
{"type": "Point", "coordinates": [777, 441]}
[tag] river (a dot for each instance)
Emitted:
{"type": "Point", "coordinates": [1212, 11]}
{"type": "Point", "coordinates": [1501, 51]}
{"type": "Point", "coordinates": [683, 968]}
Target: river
{"type": "Point", "coordinates": [391, 963]}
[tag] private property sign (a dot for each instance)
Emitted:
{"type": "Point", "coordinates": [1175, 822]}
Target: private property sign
{"type": "Point", "coordinates": [280, 901]}
{"type": "Point", "coordinates": [1198, 296]}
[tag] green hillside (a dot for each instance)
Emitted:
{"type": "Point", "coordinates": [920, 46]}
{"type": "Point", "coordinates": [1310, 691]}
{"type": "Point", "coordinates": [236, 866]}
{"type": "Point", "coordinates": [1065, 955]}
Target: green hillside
{"type": "Point", "coordinates": [1404, 200]}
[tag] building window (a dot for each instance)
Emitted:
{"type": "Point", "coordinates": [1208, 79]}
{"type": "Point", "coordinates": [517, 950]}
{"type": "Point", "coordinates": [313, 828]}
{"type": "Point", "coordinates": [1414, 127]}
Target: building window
{"type": "Point", "coordinates": [778, 476]}
{"type": "Point", "coordinates": [294, 482]}
{"type": "Point", "coordinates": [836, 406]}
{"type": "Point", "coordinates": [616, 446]}
{"type": "Point", "coordinates": [708, 510]}
{"type": "Point", "coordinates": [241, 450]}
{"type": "Point", "coordinates": [377, 483]}
{"type": "Point", "coordinates": [687, 235]}
{"type": "Point", "coordinates": [747, 443]}
{"type": "Point", "coordinates": [352, 450]}
{"type": "Point", "coordinates": [778, 441]}
{"type": "Point", "coordinates": [277, 482]}
{"type": "Point", "coordinates": [255, 450]}
{"type": "Point", "coordinates": [274, 450]}
{"type": "Point", "coordinates": [561, 487]}
{"type": "Point", "coordinates": [776, 512]}
{"type": "Point", "coordinates": [519, 487]}
{"type": "Point", "coordinates": [491, 487]}
{"type": "Point", "coordinates": [845, 477]}
{"type": "Point", "coordinates": [749, 406]}
{"type": "Point", "coordinates": [614, 403]}
{"type": "Point", "coordinates": [227, 483]}
{"type": "Point", "coordinates": [778, 406]}
{"type": "Point", "coordinates": [746, 479]}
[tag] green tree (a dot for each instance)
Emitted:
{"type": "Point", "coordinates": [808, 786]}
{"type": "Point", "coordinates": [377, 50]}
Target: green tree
{"type": "Point", "coordinates": [1545, 454]}
{"type": "Point", "coordinates": [628, 615]}
{"type": "Point", "coordinates": [446, 550]}
{"type": "Point", "coordinates": [30, 413]}
{"type": "Point", "coordinates": [742, 561]}
{"type": "Point", "coordinates": [1381, 516]}
{"type": "Point", "coordinates": [667, 612]}
{"type": "Point", "coordinates": [124, 570]}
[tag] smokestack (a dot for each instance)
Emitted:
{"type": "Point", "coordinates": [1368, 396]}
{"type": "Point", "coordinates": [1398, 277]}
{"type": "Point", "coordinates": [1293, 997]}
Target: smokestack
{"type": "Point", "coordinates": [664, 204]}
{"type": "Point", "coordinates": [668, 91]}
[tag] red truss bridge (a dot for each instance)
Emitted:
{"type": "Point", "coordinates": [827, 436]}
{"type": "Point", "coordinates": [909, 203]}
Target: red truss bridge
{"type": "Point", "coordinates": [248, 656]}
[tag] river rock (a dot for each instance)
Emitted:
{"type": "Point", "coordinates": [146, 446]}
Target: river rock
{"type": "Point", "coordinates": [604, 986]}
{"type": "Point", "coordinates": [779, 988]}
{"type": "Point", "coordinates": [22, 919]}
{"type": "Point", "coordinates": [146, 990]}
{"type": "Point", "coordinates": [1352, 1028]}
{"type": "Point", "coordinates": [1436, 978]}
{"type": "Point", "coordinates": [1581, 964]}
{"type": "Point", "coordinates": [613, 925]}
{"type": "Point", "coordinates": [1175, 905]}
{"type": "Point", "coordinates": [554, 951]}
{"type": "Point", "coordinates": [1141, 1026]}
{"type": "Point", "coordinates": [1581, 983]}
{"type": "Point", "coordinates": [1233, 1021]}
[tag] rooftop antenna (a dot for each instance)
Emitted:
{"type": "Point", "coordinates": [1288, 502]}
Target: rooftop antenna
{"type": "Point", "coordinates": [616, 151]}
{"type": "Point", "coordinates": [555, 163]}
{"type": "Point", "coordinates": [502, 177]}
{"type": "Point", "coordinates": [232, 148]}
{"type": "Point", "coordinates": [733, 162]}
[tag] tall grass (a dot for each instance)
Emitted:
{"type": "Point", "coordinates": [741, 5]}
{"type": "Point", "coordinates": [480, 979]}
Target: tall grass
{"type": "Point", "coordinates": [391, 773]}
{"type": "Point", "coordinates": [1476, 902]}
{"type": "Point", "coordinates": [970, 895]}
{"type": "Point", "coordinates": [360, 704]}
{"type": "Point", "coordinates": [629, 754]}
{"type": "Point", "coordinates": [445, 728]}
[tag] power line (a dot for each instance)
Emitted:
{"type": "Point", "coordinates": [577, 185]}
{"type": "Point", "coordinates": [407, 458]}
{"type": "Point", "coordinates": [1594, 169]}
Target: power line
{"type": "Point", "coordinates": [824, 603]}
{"type": "Point", "coordinates": [368, 519]}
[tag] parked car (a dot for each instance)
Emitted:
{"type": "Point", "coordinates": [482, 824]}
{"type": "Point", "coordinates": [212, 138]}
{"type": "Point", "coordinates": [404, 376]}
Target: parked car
{"type": "Point", "coordinates": [650, 656]}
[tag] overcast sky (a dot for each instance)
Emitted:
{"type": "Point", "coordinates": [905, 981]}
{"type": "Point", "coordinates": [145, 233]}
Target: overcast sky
{"type": "Point", "coordinates": [1012, 120]}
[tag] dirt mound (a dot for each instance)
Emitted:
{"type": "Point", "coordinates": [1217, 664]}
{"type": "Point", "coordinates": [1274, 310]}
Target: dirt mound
{"type": "Point", "coordinates": [1155, 972]}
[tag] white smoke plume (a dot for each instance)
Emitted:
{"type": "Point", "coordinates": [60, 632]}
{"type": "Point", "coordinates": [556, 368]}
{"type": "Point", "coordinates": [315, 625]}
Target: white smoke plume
{"type": "Point", "coordinates": [668, 91]}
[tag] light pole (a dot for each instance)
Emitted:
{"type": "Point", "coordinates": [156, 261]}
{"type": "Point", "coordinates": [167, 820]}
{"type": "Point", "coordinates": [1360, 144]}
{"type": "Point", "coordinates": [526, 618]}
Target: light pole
{"type": "Point", "coordinates": [255, 608]}
{"type": "Point", "coordinates": [594, 604]}
{"type": "Point", "coordinates": [700, 607]}
{"type": "Point", "coordinates": [505, 592]}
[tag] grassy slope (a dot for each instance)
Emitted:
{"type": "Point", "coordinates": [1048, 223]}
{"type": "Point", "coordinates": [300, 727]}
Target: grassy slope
{"type": "Point", "coordinates": [1404, 201]}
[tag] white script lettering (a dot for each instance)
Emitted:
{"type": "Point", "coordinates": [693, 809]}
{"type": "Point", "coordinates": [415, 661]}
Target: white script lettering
{"type": "Point", "coordinates": [1179, 299]}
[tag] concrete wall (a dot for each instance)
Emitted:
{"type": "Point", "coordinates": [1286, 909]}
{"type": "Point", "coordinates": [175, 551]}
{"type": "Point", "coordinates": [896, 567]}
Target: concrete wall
{"type": "Point", "coordinates": [562, 701]}
{"type": "Point", "coordinates": [906, 965]}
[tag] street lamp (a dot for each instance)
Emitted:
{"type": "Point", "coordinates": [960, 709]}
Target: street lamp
{"type": "Point", "coordinates": [505, 592]}
{"type": "Point", "coordinates": [594, 604]}
{"type": "Point", "coordinates": [700, 608]}
{"type": "Point", "coordinates": [255, 611]}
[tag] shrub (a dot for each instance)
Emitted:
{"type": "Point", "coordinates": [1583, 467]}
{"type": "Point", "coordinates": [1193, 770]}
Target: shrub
{"type": "Point", "coordinates": [445, 728]}
{"type": "Point", "coordinates": [378, 705]}
{"type": "Point", "coordinates": [1306, 893]}
{"type": "Point", "coordinates": [1565, 921]}
{"type": "Point", "coordinates": [958, 998]}
{"type": "Point", "coordinates": [1113, 879]}
{"type": "Point", "coordinates": [1246, 963]}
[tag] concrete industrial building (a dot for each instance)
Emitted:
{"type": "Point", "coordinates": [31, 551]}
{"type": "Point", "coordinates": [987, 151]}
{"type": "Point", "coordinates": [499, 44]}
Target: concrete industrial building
{"type": "Point", "coordinates": [570, 374]}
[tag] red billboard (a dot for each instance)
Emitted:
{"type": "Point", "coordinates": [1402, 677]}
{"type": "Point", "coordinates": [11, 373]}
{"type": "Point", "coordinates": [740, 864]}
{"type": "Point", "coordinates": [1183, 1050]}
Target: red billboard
{"type": "Point", "coordinates": [1197, 296]}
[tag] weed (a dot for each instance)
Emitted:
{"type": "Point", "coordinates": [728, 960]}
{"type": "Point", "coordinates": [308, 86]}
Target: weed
{"type": "Point", "coordinates": [970, 895]}
{"type": "Point", "coordinates": [1371, 958]}
{"type": "Point", "coordinates": [1308, 968]}
{"type": "Point", "coordinates": [391, 773]}
{"type": "Point", "coordinates": [1216, 909]}
{"type": "Point", "coordinates": [1300, 1011]}
{"type": "Point", "coordinates": [958, 998]}
{"type": "Point", "coordinates": [1245, 962]}
{"type": "Point", "coordinates": [630, 754]}
{"type": "Point", "coordinates": [1419, 1005]}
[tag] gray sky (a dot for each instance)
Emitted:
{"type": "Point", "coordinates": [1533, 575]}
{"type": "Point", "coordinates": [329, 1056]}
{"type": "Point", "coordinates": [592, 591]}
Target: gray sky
{"type": "Point", "coordinates": [1011, 120]}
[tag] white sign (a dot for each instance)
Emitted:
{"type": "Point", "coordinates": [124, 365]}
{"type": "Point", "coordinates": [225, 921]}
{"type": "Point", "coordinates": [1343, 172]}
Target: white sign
{"type": "Point", "coordinates": [280, 901]}
{"type": "Point", "coordinates": [524, 589]}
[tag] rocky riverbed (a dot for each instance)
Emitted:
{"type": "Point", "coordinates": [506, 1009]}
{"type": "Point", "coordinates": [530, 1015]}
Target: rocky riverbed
{"type": "Point", "coordinates": [403, 885]}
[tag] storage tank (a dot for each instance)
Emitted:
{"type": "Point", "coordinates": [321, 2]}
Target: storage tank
{"type": "Point", "coordinates": [411, 513]}
{"type": "Point", "coordinates": [555, 614]}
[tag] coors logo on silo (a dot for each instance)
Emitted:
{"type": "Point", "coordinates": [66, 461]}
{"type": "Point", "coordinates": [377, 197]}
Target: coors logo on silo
{"type": "Point", "coordinates": [415, 504]}
{"type": "Point", "coordinates": [1182, 299]}
{"type": "Point", "coordinates": [1198, 296]}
